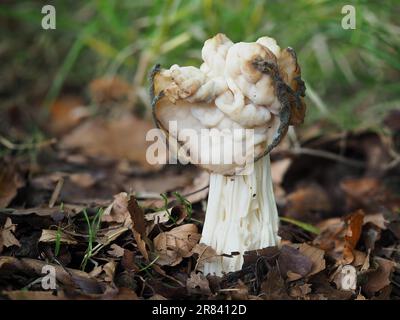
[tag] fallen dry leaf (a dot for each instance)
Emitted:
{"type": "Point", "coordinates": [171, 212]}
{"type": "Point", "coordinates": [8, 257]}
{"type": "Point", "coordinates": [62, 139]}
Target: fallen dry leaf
{"type": "Point", "coordinates": [197, 283]}
{"type": "Point", "coordinates": [176, 244]}
{"type": "Point", "coordinates": [67, 276]}
{"type": "Point", "coordinates": [316, 256]}
{"type": "Point", "coordinates": [115, 139]}
{"type": "Point", "coordinates": [109, 270]}
{"type": "Point", "coordinates": [376, 219]}
{"type": "Point", "coordinates": [54, 235]}
{"type": "Point", "coordinates": [141, 244]}
{"type": "Point", "coordinates": [116, 251]}
{"type": "Point", "coordinates": [67, 112]}
{"type": "Point", "coordinates": [273, 287]}
{"type": "Point", "coordinates": [137, 216]}
{"type": "Point", "coordinates": [32, 295]}
{"type": "Point", "coordinates": [117, 211]}
{"type": "Point", "coordinates": [354, 226]}
{"type": "Point", "coordinates": [10, 182]}
{"type": "Point", "coordinates": [380, 278]}
{"type": "Point", "coordinates": [7, 234]}
{"type": "Point", "coordinates": [204, 254]}
{"type": "Point", "coordinates": [300, 292]}
{"type": "Point", "coordinates": [293, 264]}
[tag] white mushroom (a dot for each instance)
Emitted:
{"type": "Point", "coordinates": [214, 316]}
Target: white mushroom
{"type": "Point", "coordinates": [246, 94]}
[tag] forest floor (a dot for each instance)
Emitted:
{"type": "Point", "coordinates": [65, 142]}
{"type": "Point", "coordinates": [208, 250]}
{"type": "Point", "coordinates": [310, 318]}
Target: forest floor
{"type": "Point", "coordinates": [88, 204]}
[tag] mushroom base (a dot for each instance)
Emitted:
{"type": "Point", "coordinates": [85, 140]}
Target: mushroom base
{"type": "Point", "coordinates": [241, 216]}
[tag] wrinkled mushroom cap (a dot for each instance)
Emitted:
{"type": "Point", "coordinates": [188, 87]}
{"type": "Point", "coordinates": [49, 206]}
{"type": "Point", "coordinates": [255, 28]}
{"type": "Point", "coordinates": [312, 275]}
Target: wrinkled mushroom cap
{"type": "Point", "coordinates": [239, 86]}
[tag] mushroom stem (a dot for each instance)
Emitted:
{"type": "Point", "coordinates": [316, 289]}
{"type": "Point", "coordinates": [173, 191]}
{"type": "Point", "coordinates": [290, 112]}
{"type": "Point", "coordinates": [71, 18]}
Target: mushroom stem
{"type": "Point", "coordinates": [241, 216]}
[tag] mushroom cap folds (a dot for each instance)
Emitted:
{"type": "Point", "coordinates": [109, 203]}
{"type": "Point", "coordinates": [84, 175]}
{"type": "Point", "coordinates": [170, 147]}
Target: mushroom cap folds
{"type": "Point", "coordinates": [240, 88]}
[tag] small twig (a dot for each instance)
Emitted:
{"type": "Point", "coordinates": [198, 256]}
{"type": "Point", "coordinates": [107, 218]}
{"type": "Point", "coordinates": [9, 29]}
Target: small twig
{"type": "Point", "coordinates": [24, 146]}
{"type": "Point", "coordinates": [56, 192]}
{"type": "Point", "coordinates": [196, 191]}
{"type": "Point", "coordinates": [328, 155]}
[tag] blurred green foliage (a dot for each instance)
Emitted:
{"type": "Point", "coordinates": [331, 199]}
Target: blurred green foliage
{"type": "Point", "coordinates": [352, 76]}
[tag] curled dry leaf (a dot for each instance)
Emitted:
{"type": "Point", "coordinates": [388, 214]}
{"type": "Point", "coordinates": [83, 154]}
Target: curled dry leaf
{"type": "Point", "coordinates": [158, 216]}
{"type": "Point", "coordinates": [55, 235]}
{"type": "Point", "coordinates": [176, 244]}
{"type": "Point", "coordinates": [117, 211]}
{"type": "Point", "coordinates": [137, 216]}
{"type": "Point", "coordinates": [339, 237]}
{"type": "Point", "coordinates": [376, 219]}
{"type": "Point", "coordinates": [353, 232]}
{"type": "Point", "coordinates": [7, 235]}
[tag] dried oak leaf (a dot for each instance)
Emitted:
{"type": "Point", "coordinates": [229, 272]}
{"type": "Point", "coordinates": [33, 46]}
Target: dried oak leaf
{"type": "Point", "coordinates": [176, 244]}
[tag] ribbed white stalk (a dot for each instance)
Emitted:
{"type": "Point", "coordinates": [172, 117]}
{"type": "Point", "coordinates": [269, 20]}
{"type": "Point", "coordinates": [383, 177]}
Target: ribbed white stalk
{"type": "Point", "coordinates": [241, 216]}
